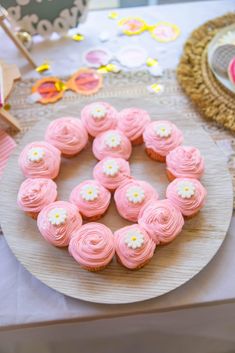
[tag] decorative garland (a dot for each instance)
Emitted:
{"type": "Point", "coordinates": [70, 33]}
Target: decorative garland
{"type": "Point", "coordinates": [197, 80]}
{"type": "Point", "coordinates": [157, 221]}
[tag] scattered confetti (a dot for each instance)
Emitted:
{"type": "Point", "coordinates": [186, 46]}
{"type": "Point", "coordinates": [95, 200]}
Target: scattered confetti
{"type": "Point", "coordinates": [165, 32]}
{"type": "Point", "coordinates": [113, 15]}
{"type": "Point", "coordinates": [132, 25]}
{"type": "Point", "coordinates": [151, 62]}
{"type": "Point", "coordinates": [156, 88]}
{"type": "Point", "coordinates": [44, 67]}
{"type": "Point", "coordinates": [60, 86]}
{"type": "Point", "coordinates": [104, 36]}
{"type": "Point", "coordinates": [109, 68]}
{"type": "Point", "coordinates": [155, 70]}
{"type": "Point", "coordinates": [78, 37]}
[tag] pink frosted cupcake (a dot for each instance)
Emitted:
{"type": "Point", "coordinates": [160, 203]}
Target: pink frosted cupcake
{"type": "Point", "coordinates": [34, 194]}
{"type": "Point", "coordinates": [68, 135]}
{"type": "Point", "coordinates": [184, 162]}
{"type": "Point", "coordinates": [111, 172]}
{"type": "Point", "coordinates": [91, 198]}
{"type": "Point", "coordinates": [134, 247]}
{"type": "Point", "coordinates": [40, 160]}
{"type": "Point", "coordinates": [112, 143]}
{"type": "Point", "coordinates": [131, 196]}
{"type": "Point", "coordinates": [99, 117]}
{"type": "Point", "coordinates": [186, 194]}
{"type": "Point", "coordinates": [58, 221]}
{"type": "Point", "coordinates": [161, 137]}
{"type": "Point", "coordinates": [132, 122]}
{"type": "Point", "coordinates": [92, 246]}
{"type": "Point", "coordinates": [161, 220]}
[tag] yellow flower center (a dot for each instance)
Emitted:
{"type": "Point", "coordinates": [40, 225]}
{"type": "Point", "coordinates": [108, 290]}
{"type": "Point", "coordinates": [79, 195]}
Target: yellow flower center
{"type": "Point", "coordinates": [136, 194]}
{"type": "Point", "coordinates": [113, 139]}
{"type": "Point", "coordinates": [133, 238]}
{"type": "Point", "coordinates": [35, 153]}
{"type": "Point", "coordinates": [57, 215]}
{"type": "Point", "coordinates": [89, 192]}
{"type": "Point", "coordinates": [163, 129]}
{"type": "Point", "coordinates": [110, 167]}
{"type": "Point", "coordinates": [186, 188]}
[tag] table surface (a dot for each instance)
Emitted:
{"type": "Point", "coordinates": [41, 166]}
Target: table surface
{"type": "Point", "coordinates": [25, 300]}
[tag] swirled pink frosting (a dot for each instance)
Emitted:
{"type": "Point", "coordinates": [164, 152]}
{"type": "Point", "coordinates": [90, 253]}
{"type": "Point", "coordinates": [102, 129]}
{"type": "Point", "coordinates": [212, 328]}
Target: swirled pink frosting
{"type": "Point", "coordinates": [101, 150]}
{"type": "Point", "coordinates": [128, 209]}
{"type": "Point", "coordinates": [59, 235]}
{"type": "Point", "coordinates": [185, 162]}
{"type": "Point", "coordinates": [133, 258]}
{"type": "Point", "coordinates": [96, 126]}
{"type": "Point", "coordinates": [187, 206]}
{"type": "Point", "coordinates": [92, 246]}
{"type": "Point", "coordinates": [67, 134]}
{"type": "Point", "coordinates": [161, 220]}
{"type": "Point", "coordinates": [48, 167]}
{"type": "Point", "coordinates": [91, 208]}
{"type": "Point", "coordinates": [108, 181]}
{"type": "Point", "coordinates": [231, 70]}
{"type": "Point", "coordinates": [34, 194]}
{"type": "Point", "coordinates": [162, 145]}
{"type": "Point", "coordinates": [132, 122]}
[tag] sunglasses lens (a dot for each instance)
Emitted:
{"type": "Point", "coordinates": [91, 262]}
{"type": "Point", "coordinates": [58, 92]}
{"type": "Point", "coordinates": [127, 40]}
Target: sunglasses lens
{"type": "Point", "coordinates": [87, 81]}
{"type": "Point", "coordinates": [49, 90]}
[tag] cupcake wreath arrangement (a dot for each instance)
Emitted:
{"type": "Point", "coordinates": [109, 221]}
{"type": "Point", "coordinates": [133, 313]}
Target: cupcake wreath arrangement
{"type": "Point", "coordinates": [156, 222]}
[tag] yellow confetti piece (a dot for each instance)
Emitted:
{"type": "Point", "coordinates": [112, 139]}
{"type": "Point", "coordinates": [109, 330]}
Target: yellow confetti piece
{"type": "Point", "coordinates": [156, 88]}
{"type": "Point", "coordinates": [113, 15]}
{"type": "Point", "coordinates": [7, 106]}
{"type": "Point", "coordinates": [44, 67]}
{"type": "Point", "coordinates": [60, 86]}
{"type": "Point", "coordinates": [78, 37]}
{"type": "Point", "coordinates": [151, 62]}
{"type": "Point", "coordinates": [108, 68]}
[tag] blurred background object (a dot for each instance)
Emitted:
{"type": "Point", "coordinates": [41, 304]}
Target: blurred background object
{"type": "Point", "coordinates": [45, 16]}
{"type": "Point", "coordinates": [107, 4]}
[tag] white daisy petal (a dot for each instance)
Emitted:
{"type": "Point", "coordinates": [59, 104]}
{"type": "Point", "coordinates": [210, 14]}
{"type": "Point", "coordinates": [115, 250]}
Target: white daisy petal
{"type": "Point", "coordinates": [135, 194]}
{"type": "Point", "coordinates": [89, 192]}
{"type": "Point", "coordinates": [113, 139]}
{"type": "Point", "coordinates": [185, 189]}
{"type": "Point", "coordinates": [162, 130]}
{"type": "Point", "coordinates": [110, 167]}
{"type": "Point", "coordinates": [57, 216]}
{"type": "Point", "coordinates": [36, 154]}
{"type": "Point", "coordinates": [98, 112]}
{"type": "Point", "coordinates": [134, 239]}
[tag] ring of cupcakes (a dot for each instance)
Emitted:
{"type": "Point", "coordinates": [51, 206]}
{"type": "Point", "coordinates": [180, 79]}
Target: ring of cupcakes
{"type": "Point", "coordinates": [156, 222]}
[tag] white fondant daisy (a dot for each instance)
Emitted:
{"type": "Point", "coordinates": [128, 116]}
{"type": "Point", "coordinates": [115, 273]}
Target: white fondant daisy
{"type": "Point", "coordinates": [134, 239]}
{"type": "Point", "coordinates": [112, 139]}
{"type": "Point", "coordinates": [162, 130]}
{"type": "Point", "coordinates": [36, 154]}
{"type": "Point", "coordinates": [57, 216]}
{"type": "Point", "coordinates": [89, 192]}
{"type": "Point", "coordinates": [185, 189]}
{"type": "Point", "coordinates": [98, 112]}
{"type": "Point", "coordinates": [135, 194]}
{"type": "Point", "coordinates": [110, 167]}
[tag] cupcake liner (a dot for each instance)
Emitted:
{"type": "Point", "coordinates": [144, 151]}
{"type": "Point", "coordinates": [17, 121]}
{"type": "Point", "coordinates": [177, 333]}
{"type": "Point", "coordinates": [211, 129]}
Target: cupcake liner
{"type": "Point", "coordinates": [155, 156]}
{"type": "Point", "coordinates": [138, 141]}
{"type": "Point", "coordinates": [170, 176]}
